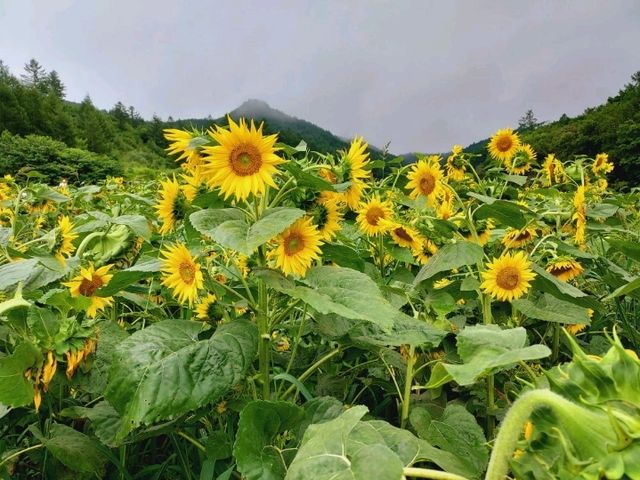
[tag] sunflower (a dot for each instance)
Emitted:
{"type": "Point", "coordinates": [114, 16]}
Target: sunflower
{"type": "Point", "coordinates": [403, 235]}
{"type": "Point", "coordinates": [425, 179]}
{"type": "Point", "coordinates": [206, 309]}
{"type": "Point", "coordinates": [580, 216]}
{"type": "Point", "coordinates": [297, 247]}
{"type": "Point", "coordinates": [244, 161]}
{"type": "Point", "coordinates": [503, 145]}
{"type": "Point", "coordinates": [354, 165]}
{"type": "Point", "coordinates": [64, 239]}
{"type": "Point", "coordinates": [565, 269]}
{"type": "Point", "coordinates": [507, 278]}
{"type": "Point", "coordinates": [87, 283]}
{"type": "Point", "coordinates": [371, 213]}
{"type": "Point", "coordinates": [522, 160]}
{"type": "Point", "coordinates": [328, 174]}
{"type": "Point", "coordinates": [442, 283]}
{"type": "Point", "coordinates": [185, 144]}
{"type": "Point", "coordinates": [181, 273]}
{"type": "Point", "coordinates": [553, 170]}
{"type": "Point", "coordinates": [426, 249]}
{"type": "Point", "coordinates": [576, 328]}
{"type": "Point", "coordinates": [195, 183]}
{"type": "Point", "coordinates": [483, 235]}
{"type": "Point", "coordinates": [601, 164]}
{"type": "Point", "coordinates": [456, 166]}
{"type": "Point", "coordinates": [444, 209]}
{"type": "Point", "coordinates": [326, 216]}
{"type": "Point", "coordinates": [172, 206]}
{"type": "Point", "coordinates": [515, 238]}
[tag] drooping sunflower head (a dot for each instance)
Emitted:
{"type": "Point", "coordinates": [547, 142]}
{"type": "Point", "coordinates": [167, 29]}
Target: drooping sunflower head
{"type": "Point", "coordinates": [503, 145]}
{"type": "Point", "coordinates": [206, 310]}
{"type": "Point", "coordinates": [507, 278]}
{"type": "Point", "coordinates": [523, 159]}
{"type": "Point", "coordinates": [297, 247]}
{"type": "Point", "coordinates": [553, 170]}
{"type": "Point", "coordinates": [403, 235]}
{"type": "Point", "coordinates": [88, 283]}
{"type": "Point", "coordinates": [326, 215]}
{"type": "Point", "coordinates": [195, 183]}
{"type": "Point", "coordinates": [181, 273]}
{"type": "Point", "coordinates": [186, 145]}
{"type": "Point", "coordinates": [425, 179]}
{"type": "Point", "coordinates": [515, 238]}
{"type": "Point", "coordinates": [371, 213]}
{"type": "Point", "coordinates": [172, 206]}
{"type": "Point", "coordinates": [243, 162]}
{"type": "Point", "coordinates": [601, 164]}
{"type": "Point", "coordinates": [565, 269]}
{"type": "Point", "coordinates": [65, 236]}
{"type": "Point", "coordinates": [426, 249]}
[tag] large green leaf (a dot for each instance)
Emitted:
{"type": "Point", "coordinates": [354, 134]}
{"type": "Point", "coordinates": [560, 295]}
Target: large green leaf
{"type": "Point", "coordinates": [626, 289]}
{"type": "Point", "coordinates": [137, 223]}
{"type": "Point", "coordinates": [144, 268]}
{"type": "Point", "coordinates": [405, 331]}
{"type": "Point", "coordinates": [551, 309]}
{"type": "Point", "coordinates": [105, 421]}
{"type": "Point", "coordinates": [13, 273]}
{"type": "Point", "coordinates": [74, 449]}
{"type": "Point", "coordinates": [165, 370]}
{"type": "Point", "coordinates": [507, 213]}
{"type": "Point", "coordinates": [273, 222]}
{"type": "Point", "coordinates": [15, 389]}
{"type": "Point", "coordinates": [258, 450]}
{"type": "Point", "coordinates": [546, 282]}
{"type": "Point", "coordinates": [454, 255]}
{"type": "Point", "coordinates": [628, 248]}
{"type": "Point", "coordinates": [339, 290]}
{"type": "Point", "coordinates": [486, 349]}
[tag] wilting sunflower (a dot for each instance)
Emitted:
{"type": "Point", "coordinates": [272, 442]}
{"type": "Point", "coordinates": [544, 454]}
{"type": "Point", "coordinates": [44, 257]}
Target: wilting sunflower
{"type": "Point", "coordinates": [425, 251]}
{"type": "Point", "coordinates": [601, 164]}
{"type": "Point", "coordinates": [172, 206]}
{"type": "Point", "coordinates": [244, 161]}
{"type": "Point", "coordinates": [523, 159]}
{"type": "Point", "coordinates": [326, 216]}
{"type": "Point", "coordinates": [354, 170]}
{"type": "Point", "coordinates": [371, 213]}
{"type": "Point", "coordinates": [403, 235]}
{"type": "Point", "coordinates": [297, 247]}
{"type": "Point", "coordinates": [64, 239]}
{"type": "Point", "coordinates": [515, 238]}
{"type": "Point", "coordinates": [206, 309]}
{"type": "Point", "coordinates": [503, 145]}
{"type": "Point", "coordinates": [425, 179]}
{"type": "Point", "coordinates": [456, 165]}
{"type": "Point", "coordinates": [553, 170]}
{"type": "Point", "coordinates": [565, 269]}
{"type": "Point", "coordinates": [186, 145]}
{"type": "Point", "coordinates": [181, 273]}
{"type": "Point", "coordinates": [580, 216]}
{"type": "Point", "coordinates": [507, 278]}
{"type": "Point", "coordinates": [87, 283]}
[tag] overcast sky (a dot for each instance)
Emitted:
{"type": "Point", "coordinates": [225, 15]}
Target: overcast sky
{"type": "Point", "coordinates": [421, 74]}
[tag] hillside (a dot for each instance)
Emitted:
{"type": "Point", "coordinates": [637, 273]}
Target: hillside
{"type": "Point", "coordinates": [613, 128]}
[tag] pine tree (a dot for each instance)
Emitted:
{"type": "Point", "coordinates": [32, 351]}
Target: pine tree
{"type": "Point", "coordinates": [55, 85]}
{"type": "Point", "coordinates": [528, 121]}
{"type": "Point", "coordinates": [35, 75]}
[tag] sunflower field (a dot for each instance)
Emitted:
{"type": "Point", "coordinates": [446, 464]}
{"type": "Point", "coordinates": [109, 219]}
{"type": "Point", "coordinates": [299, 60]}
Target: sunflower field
{"type": "Point", "coordinates": [270, 312]}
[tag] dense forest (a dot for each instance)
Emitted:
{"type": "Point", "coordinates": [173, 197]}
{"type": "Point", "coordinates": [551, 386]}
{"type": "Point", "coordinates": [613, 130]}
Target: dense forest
{"type": "Point", "coordinates": [41, 130]}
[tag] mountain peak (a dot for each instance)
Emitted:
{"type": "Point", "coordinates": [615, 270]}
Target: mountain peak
{"type": "Point", "coordinates": [259, 110]}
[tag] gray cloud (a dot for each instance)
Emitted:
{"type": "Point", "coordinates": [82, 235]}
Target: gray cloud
{"type": "Point", "coordinates": [421, 74]}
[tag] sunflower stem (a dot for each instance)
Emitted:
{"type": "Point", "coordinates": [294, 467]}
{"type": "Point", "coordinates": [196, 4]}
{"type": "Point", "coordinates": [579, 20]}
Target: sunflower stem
{"type": "Point", "coordinates": [408, 381]}
{"type": "Point", "coordinates": [555, 350]}
{"type": "Point", "coordinates": [265, 338]}
{"type": "Point", "coordinates": [491, 420]}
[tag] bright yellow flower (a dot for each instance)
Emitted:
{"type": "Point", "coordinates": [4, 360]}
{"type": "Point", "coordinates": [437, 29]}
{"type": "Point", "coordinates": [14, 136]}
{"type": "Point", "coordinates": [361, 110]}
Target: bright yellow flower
{"type": "Point", "coordinates": [553, 170]}
{"type": "Point", "coordinates": [243, 162]}
{"type": "Point", "coordinates": [503, 145]}
{"type": "Point", "coordinates": [297, 247]}
{"type": "Point", "coordinates": [515, 238]}
{"type": "Point", "coordinates": [87, 283]}
{"type": "Point", "coordinates": [565, 269]}
{"type": "Point", "coordinates": [326, 216]}
{"type": "Point", "coordinates": [371, 213]}
{"type": "Point", "coordinates": [456, 165]}
{"type": "Point", "coordinates": [576, 328]}
{"type": "Point", "coordinates": [601, 164]}
{"type": "Point", "coordinates": [403, 235]}
{"type": "Point", "coordinates": [172, 206]}
{"type": "Point", "coordinates": [181, 273]}
{"type": "Point", "coordinates": [354, 166]}
{"type": "Point", "coordinates": [426, 249]}
{"type": "Point", "coordinates": [194, 183]}
{"type": "Point", "coordinates": [64, 239]}
{"type": "Point", "coordinates": [425, 179]}
{"type": "Point", "coordinates": [507, 278]}
{"type": "Point", "coordinates": [185, 144]}
{"type": "Point", "coordinates": [580, 216]}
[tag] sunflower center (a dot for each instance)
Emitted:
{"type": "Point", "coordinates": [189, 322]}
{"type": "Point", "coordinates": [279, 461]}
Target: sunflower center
{"type": "Point", "coordinates": [245, 160]}
{"type": "Point", "coordinates": [522, 237]}
{"type": "Point", "coordinates": [374, 214]}
{"type": "Point", "coordinates": [508, 278]}
{"type": "Point", "coordinates": [187, 272]}
{"type": "Point", "coordinates": [560, 270]}
{"type": "Point", "coordinates": [504, 143]}
{"type": "Point", "coordinates": [427, 184]}
{"type": "Point", "coordinates": [403, 234]}
{"type": "Point", "coordinates": [293, 244]}
{"type": "Point", "coordinates": [88, 287]}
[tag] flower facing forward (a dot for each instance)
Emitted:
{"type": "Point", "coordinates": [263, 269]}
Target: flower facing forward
{"type": "Point", "coordinates": [507, 278]}
{"type": "Point", "coordinates": [504, 144]}
{"type": "Point", "coordinates": [425, 179]}
{"type": "Point", "coordinates": [181, 273]}
{"type": "Point", "coordinates": [601, 164]}
{"type": "Point", "coordinates": [88, 283]}
{"type": "Point", "coordinates": [243, 162]}
{"type": "Point", "coordinates": [297, 247]}
{"type": "Point", "coordinates": [371, 213]}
